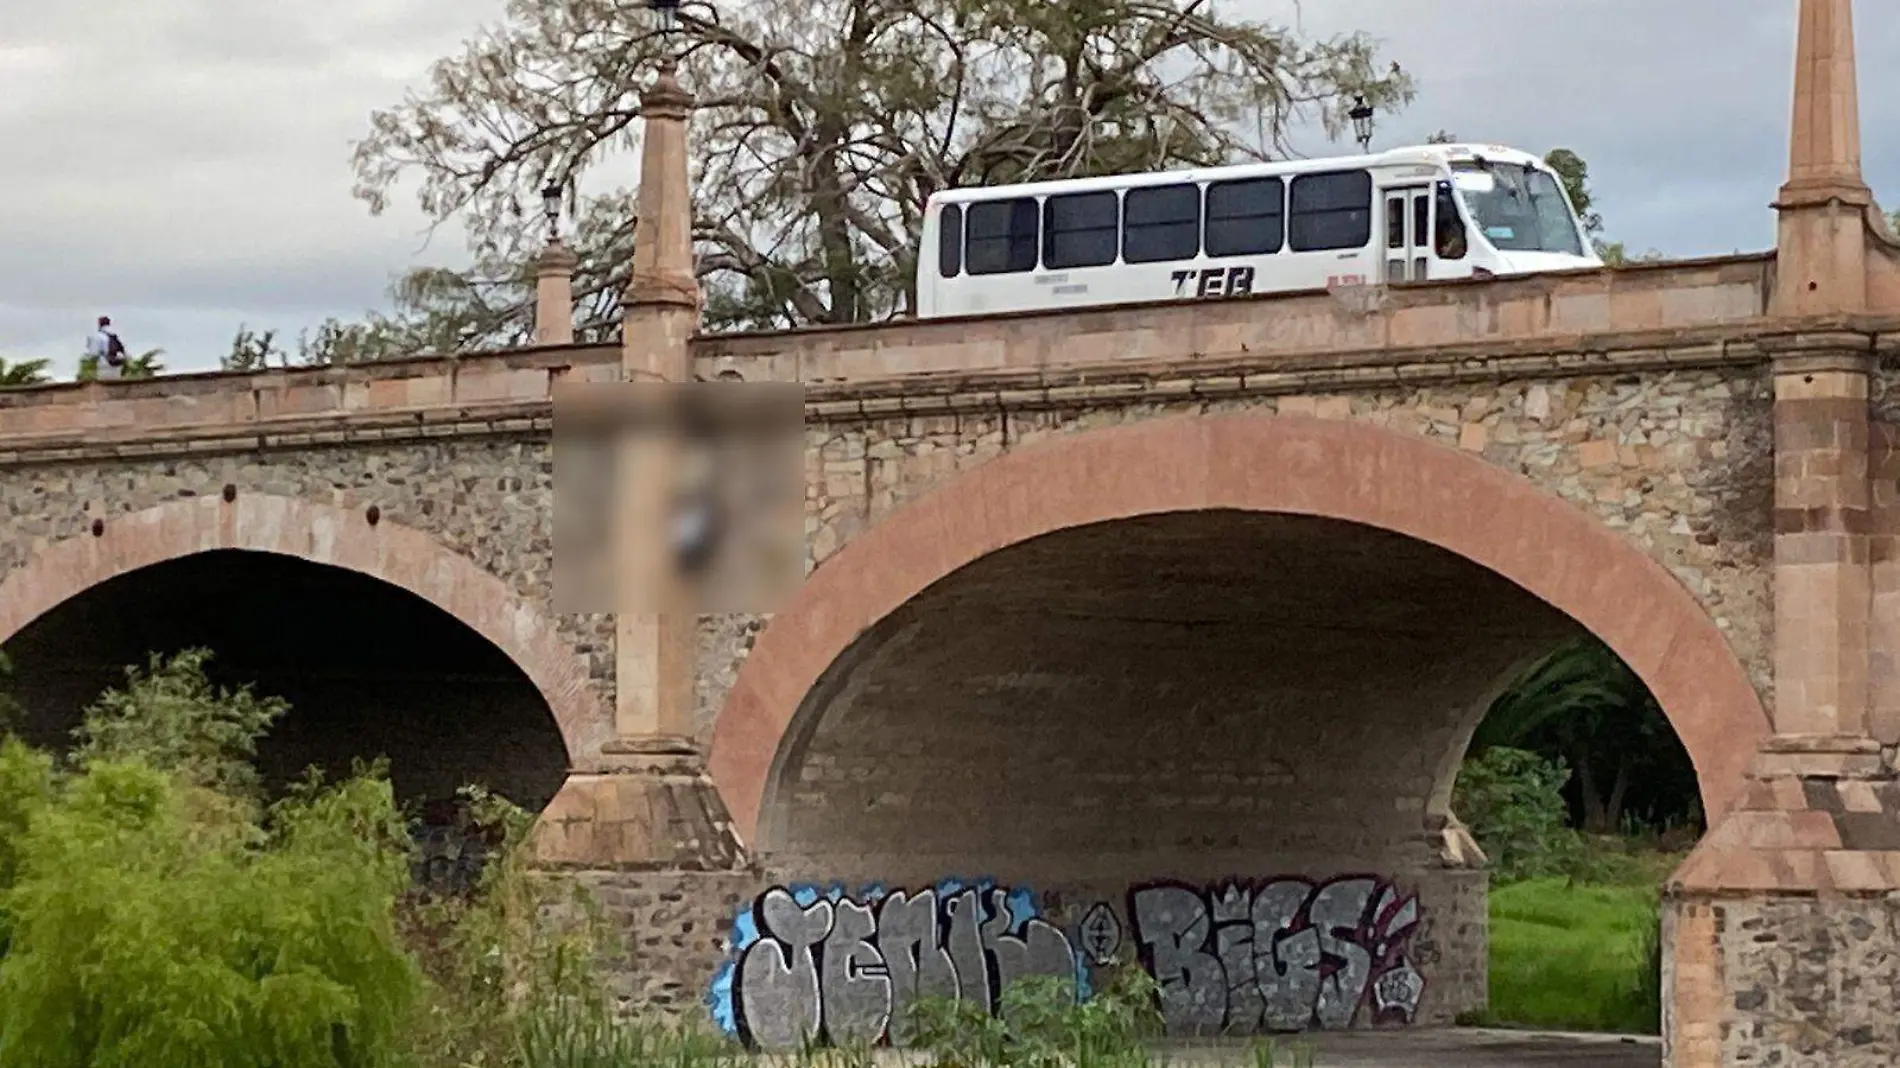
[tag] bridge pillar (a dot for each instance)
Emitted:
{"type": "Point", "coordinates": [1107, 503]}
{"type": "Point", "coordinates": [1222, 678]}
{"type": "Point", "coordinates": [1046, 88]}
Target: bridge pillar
{"type": "Point", "coordinates": [641, 822]}
{"type": "Point", "coordinates": [554, 294]}
{"type": "Point", "coordinates": [1783, 927]}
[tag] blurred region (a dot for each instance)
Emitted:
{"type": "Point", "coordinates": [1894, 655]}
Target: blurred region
{"type": "Point", "coordinates": [677, 497]}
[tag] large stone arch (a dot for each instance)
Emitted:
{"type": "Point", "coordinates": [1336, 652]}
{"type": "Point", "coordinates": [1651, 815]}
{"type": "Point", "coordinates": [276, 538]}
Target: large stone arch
{"type": "Point", "coordinates": [320, 533]}
{"type": "Point", "coordinates": [1294, 465]}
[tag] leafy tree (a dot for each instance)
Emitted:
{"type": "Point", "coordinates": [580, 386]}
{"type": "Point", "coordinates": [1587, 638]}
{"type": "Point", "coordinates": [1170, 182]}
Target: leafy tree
{"type": "Point", "coordinates": [1584, 705]}
{"type": "Point", "coordinates": [1616, 254]}
{"type": "Point", "coordinates": [1575, 174]}
{"type": "Point", "coordinates": [23, 373]}
{"type": "Point", "coordinates": [823, 129]}
{"type": "Point", "coordinates": [171, 716]}
{"type": "Point", "coordinates": [252, 351]}
{"type": "Point", "coordinates": [1513, 802]}
{"type": "Point", "coordinates": [334, 342]}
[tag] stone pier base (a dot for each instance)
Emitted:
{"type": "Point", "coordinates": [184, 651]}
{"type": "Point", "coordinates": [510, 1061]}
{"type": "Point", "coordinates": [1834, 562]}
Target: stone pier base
{"type": "Point", "coordinates": [675, 926]}
{"type": "Point", "coordinates": [1783, 927]}
{"type": "Point", "coordinates": [648, 835]}
{"type": "Point", "coordinates": [1802, 982]}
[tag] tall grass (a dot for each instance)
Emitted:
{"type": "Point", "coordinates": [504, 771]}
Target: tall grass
{"type": "Point", "coordinates": [1572, 956]}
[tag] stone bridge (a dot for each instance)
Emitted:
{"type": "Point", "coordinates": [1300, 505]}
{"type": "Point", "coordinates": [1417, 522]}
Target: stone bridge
{"type": "Point", "coordinates": [1144, 633]}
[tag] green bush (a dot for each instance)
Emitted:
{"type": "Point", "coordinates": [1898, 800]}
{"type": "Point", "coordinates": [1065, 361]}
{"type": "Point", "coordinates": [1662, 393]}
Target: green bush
{"type": "Point", "coordinates": [157, 909]}
{"type": "Point", "coordinates": [1513, 802]}
{"type": "Point", "coordinates": [171, 717]}
{"type": "Point", "coordinates": [575, 1037]}
{"type": "Point", "coordinates": [515, 967]}
{"type": "Point", "coordinates": [154, 920]}
{"type": "Point", "coordinates": [1041, 1024]}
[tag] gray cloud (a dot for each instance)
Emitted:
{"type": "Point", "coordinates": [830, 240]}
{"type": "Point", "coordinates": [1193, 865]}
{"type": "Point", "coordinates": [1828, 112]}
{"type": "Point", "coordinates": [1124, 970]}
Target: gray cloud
{"type": "Point", "coordinates": [185, 166]}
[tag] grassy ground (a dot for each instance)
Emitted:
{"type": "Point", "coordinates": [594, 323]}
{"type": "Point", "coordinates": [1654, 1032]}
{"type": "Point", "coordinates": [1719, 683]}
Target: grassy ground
{"type": "Point", "coordinates": [1578, 956]}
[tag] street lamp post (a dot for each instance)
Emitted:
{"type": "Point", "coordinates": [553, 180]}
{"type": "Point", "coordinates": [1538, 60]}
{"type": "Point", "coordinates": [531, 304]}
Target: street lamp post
{"type": "Point", "coordinates": [669, 12]}
{"type": "Point", "coordinates": [1361, 116]}
{"type": "Point", "coordinates": [551, 210]}
{"type": "Point", "coordinates": [554, 278]}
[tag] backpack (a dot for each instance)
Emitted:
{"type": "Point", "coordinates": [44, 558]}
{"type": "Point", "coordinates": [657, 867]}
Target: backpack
{"type": "Point", "coordinates": [115, 350]}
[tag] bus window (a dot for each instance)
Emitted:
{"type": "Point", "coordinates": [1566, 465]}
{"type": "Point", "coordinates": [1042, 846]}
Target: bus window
{"type": "Point", "coordinates": [950, 241]}
{"type": "Point", "coordinates": [1518, 208]}
{"type": "Point", "coordinates": [1161, 223]}
{"type": "Point", "coordinates": [1451, 242]}
{"type": "Point", "coordinates": [1000, 236]}
{"type": "Point", "coordinates": [1246, 217]}
{"type": "Point", "coordinates": [1330, 211]}
{"type": "Point", "coordinates": [1081, 230]}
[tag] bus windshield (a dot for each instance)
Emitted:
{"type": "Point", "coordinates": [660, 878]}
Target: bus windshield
{"type": "Point", "coordinates": [1517, 208]}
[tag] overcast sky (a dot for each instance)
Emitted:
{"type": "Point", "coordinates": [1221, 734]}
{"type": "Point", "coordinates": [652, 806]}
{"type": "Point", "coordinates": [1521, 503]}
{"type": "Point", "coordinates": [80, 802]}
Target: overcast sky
{"type": "Point", "coordinates": [184, 166]}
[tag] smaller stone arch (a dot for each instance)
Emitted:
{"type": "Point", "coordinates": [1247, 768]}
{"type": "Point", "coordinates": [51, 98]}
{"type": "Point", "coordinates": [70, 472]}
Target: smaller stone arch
{"type": "Point", "coordinates": [324, 534]}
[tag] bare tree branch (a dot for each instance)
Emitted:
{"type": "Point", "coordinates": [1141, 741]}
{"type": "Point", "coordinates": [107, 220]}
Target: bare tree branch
{"type": "Point", "coordinates": [823, 128]}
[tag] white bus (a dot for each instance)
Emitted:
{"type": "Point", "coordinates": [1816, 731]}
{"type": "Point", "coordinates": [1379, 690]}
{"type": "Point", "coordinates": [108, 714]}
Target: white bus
{"type": "Point", "coordinates": [1410, 214]}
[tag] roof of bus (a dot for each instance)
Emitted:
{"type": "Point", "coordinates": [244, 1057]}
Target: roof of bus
{"type": "Point", "coordinates": [1414, 154]}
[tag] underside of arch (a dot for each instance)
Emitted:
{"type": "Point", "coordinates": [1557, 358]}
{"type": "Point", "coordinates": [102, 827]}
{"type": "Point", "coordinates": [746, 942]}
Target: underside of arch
{"type": "Point", "coordinates": [1291, 466]}
{"type": "Point", "coordinates": [323, 534]}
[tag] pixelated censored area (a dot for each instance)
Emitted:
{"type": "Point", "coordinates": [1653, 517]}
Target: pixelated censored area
{"type": "Point", "coordinates": [677, 497]}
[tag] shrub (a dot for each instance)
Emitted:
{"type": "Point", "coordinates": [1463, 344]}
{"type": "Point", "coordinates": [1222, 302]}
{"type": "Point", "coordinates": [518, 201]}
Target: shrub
{"type": "Point", "coordinates": [1041, 1024]}
{"type": "Point", "coordinates": [157, 915]}
{"type": "Point", "coordinates": [144, 934]}
{"type": "Point", "coordinates": [514, 966]}
{"type": "Point", "coordinates": [156, 909]}
{"type": "Point", "coordinates": [1513, 802]}
{"type": "Point", "coordinates": [172, 718]}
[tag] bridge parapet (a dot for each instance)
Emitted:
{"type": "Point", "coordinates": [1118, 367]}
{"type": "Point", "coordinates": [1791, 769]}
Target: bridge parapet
{"type": "Point", "coordinates": [1390, 323]}
{"type": "Point", "coordinates": [423, 397]}
{"type": "Point", "coordinates": [1678, 314]}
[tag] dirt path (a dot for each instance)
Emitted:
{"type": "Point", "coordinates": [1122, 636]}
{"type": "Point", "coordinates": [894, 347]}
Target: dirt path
{"type": "Point", "coordinates": [1460, 1048]}
{"type": "Point", "coordinates": [1450, 1048]}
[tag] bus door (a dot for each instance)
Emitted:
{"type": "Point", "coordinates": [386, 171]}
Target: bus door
{"type": "Point", "coordinates": [1408, 233]}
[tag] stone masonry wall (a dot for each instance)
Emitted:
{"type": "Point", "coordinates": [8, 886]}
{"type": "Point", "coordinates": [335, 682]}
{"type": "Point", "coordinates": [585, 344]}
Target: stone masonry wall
{"type": "Point", "coordinates": [1678, 461]}
{"type": "Point", "coordinates": [1801, 981]}
{"type": "Point", "coordinates": [677, 926]}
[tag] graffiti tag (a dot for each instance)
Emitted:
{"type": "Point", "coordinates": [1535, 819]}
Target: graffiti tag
{"type": "Point", "coordinates": [843, 968]}
{"type": "Point", "coordinates": [1284, 955]}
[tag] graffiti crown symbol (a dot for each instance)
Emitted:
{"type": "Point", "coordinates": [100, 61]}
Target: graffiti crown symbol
{"type": "Point", "coordinates": [1232, 901]}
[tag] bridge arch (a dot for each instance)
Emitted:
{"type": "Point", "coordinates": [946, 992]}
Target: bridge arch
{"type": "Point", "coordinates": [1286, 465]}
{"type": "Point", "coordinates": [401, 556]}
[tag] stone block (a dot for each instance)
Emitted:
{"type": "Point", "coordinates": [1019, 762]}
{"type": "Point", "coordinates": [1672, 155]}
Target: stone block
{"type": "Point", "coordinates": [1795, 979]}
